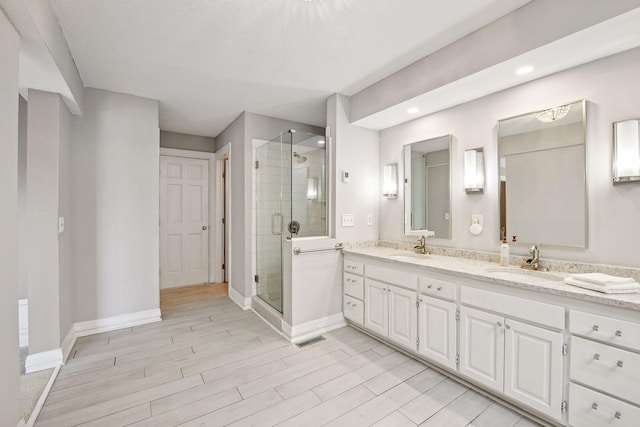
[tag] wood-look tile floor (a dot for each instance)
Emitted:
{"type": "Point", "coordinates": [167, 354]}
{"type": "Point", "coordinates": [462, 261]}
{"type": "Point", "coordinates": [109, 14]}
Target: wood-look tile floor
{"type": "Point", "coordinates": [208, 363]}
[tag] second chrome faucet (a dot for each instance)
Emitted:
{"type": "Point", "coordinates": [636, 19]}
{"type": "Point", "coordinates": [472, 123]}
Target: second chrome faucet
{"type": "Point", "coordinates": [533, 263]}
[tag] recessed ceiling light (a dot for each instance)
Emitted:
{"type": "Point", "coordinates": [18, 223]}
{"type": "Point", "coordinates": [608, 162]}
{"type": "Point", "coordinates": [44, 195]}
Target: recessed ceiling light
{"type": "Point", "coordinates": [413, 110]}
{"type": "Point", "coordinates": [524, 70]}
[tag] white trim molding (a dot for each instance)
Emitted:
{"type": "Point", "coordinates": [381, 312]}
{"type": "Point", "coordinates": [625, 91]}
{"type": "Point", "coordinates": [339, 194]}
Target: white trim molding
{"type": "Point", "coordinates": [44, 360]}
{"type": "Point", "coordinates": [90, 327]}
{"type": "Point", "coordinates": [23, 321]}
{"type": "Point", "coordinates": [242, 302]}
{"type": "Point", "coordinates": [313, 328]}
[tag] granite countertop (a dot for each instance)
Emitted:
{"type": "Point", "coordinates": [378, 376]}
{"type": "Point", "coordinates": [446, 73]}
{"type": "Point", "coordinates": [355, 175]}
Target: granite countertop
{"type": "Point", "coordinates": [546, 282]}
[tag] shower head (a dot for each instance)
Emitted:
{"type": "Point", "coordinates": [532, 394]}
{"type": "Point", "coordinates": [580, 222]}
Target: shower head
{"type": "Point", "coordinates": [301, 159]}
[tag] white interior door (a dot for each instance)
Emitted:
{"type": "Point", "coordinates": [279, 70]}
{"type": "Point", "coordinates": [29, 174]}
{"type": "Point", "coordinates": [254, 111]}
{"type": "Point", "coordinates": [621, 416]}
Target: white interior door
{"type": "Point", "coordinates": [184, 225]}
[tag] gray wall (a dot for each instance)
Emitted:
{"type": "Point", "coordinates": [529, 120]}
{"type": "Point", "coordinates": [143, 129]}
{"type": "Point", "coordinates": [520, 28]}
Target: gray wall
{"type": "Point", "coordinates": [115, 186]}
{"type": "Point", "coordinates": [42, 221]}
{"type": "Point", "coordinates": [9, 360]}
{"type": "Point", "coordinates": [22, 197]}
{"type": "Point", "coordinates": [608, 86]}
{"type": "Point", "coordinates": [183, 141]}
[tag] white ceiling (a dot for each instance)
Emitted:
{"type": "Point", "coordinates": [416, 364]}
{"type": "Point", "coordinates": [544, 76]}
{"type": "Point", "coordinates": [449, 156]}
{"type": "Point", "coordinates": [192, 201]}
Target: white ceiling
{"type": "Point", "coordinates": [206, 61]}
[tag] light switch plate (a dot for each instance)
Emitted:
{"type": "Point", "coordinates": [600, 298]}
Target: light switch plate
{"type": "Point", "coordinates": [477, 219]}
{"type": "Point", "coordinates": [369, 219]}
{"type": "Point", "coordinates": [347, 220]}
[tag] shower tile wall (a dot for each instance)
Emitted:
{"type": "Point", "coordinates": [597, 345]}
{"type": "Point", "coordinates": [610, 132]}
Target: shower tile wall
{"type": "Point", "coordinates": [310, 213]}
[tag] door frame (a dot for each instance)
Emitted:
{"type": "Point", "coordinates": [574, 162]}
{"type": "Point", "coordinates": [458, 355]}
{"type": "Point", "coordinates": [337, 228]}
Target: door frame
{"type": "Point", "coordinates": [174, 152]}
{"type": "Point", "coordinates": [220, 156]}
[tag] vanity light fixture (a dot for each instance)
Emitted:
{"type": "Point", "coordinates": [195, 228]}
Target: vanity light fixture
{"type": "Point", "coordinates": [413, 110]}
{"type": "Point", "coordinates": [626, 151]}
{"type": "Point", "coordinates": [390, 181]}
{"type": "Point", "coordinates": [553, 114]}
{"type": "Point", "coordinates": [474, 170]}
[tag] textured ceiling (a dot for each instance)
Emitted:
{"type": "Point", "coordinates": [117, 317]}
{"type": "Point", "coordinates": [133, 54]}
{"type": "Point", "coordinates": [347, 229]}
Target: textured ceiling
{"type": "Point", "coordinates": [206, 61]}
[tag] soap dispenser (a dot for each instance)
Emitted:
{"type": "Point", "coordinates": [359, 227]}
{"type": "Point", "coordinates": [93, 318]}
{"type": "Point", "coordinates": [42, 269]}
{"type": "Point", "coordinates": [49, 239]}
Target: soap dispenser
{"type": "Point", "coordinates": [504, 252]}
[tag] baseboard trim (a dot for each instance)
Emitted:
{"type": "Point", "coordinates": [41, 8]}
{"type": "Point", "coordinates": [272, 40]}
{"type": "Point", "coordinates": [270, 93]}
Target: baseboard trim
{"type": "Point", "coordinates": [21, 423]}
{"type": "Point", "coordinates": [313, 328]}
{"type": "Point", "coordinates": [90, 327]}
{"type": "Point", "coordinates": [45, 393]}
{"type": "Point", "coordinates": [242, 302]}
{"type": "Point", "coordinates": [44, 360]}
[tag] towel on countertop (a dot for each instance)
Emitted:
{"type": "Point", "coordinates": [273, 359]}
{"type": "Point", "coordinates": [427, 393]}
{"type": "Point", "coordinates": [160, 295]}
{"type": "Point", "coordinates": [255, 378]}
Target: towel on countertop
{"type": "Point", "coordinates": [621, 288]}
{"type": "Point", "coordinates": [602, 279]}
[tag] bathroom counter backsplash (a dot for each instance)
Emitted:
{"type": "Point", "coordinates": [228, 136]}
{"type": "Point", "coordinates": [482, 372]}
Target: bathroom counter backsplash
{"type": "Point", "coordinates": [485, 266]}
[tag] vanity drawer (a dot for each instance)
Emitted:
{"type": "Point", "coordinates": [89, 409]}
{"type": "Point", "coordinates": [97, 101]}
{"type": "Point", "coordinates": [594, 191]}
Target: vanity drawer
{"type": "Point", "coordinates": [354, 267]}
{"type": "Point", "coordinates": [437, 288]}
{"type": "Point", "coordinates": [607, 368]}
{"type": "Point", "coordinates": [353, 309]}
{"type": "Point", "coordinates": [353, 285]}
{"type": "Point", "coordinates": [393, 276]}
{"type": "Point", "coordinates": [588, 408]}
{"type": "Point", "coordinates": [601, 328]}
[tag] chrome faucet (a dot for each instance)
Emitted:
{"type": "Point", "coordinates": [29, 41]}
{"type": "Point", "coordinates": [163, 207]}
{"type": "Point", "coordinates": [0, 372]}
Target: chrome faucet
{"type": "Point", "coordinates": [533, 263]}
{"type": "Point", "coordinates": [421, 248]}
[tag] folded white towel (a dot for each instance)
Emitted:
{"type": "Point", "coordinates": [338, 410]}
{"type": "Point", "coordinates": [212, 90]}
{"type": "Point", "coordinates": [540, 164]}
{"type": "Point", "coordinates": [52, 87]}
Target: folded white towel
{"type": "Point", "coordinates": [622, 288]}
{"type": "Point", "coordinates": [602, 279]}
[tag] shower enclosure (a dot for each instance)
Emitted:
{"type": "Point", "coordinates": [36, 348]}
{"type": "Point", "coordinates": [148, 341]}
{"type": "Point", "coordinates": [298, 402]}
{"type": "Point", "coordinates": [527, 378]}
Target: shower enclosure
{"type": "Point", "coordinates": [289, 179]}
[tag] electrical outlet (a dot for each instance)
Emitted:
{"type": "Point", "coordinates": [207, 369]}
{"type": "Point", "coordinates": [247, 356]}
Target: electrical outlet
{"type": "Point", "coordinates": [369, 219]}
{"type": "Point", "coordinates": [348, 220]}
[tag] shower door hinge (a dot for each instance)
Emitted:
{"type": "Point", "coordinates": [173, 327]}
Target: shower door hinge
{"type": "Point", "coordinates": [256, 278]}
{"type": "Point", "coordinates": [417, 342]}
{"type": "Point", "coordinates": [256, 164]}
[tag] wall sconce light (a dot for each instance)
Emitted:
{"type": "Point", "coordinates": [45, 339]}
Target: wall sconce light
{"type": "Point", "coordinates": [474, 170]}
{"type": "Point", "coordinates": [626, 151]}
{"type": "Point", "coordinates": [390, 181]}
{"type": "Point", "coordinates": [312, 189]}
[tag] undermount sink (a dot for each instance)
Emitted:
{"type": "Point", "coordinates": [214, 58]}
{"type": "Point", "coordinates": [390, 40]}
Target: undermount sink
{"type": "Point", "coordinates": [408, 255]}
{"type": "Point", "coordinates": [518, 273]}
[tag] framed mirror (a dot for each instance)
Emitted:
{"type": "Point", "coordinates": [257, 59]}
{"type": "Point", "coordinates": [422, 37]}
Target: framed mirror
{"type": "Point", "coordinates": [543, 195]}
{"type": "Point", "coordinates": [427, 184]}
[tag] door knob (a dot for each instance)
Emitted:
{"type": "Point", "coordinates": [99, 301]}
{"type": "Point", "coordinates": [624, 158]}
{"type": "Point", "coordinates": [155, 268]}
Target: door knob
{"type": "Point", "coordinates": [204, 227]}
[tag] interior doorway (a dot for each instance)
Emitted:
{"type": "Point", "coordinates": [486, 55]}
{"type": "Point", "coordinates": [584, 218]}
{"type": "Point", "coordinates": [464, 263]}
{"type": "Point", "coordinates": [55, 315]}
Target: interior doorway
{"type": "Point", "coordinates": [184, 221]}
{"type": "Point", "coordinates": [222, 195]}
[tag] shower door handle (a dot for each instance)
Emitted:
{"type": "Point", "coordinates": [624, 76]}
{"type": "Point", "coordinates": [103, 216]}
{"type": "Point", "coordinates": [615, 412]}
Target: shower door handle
{"type": "Point", "coordinates": [275, 229]}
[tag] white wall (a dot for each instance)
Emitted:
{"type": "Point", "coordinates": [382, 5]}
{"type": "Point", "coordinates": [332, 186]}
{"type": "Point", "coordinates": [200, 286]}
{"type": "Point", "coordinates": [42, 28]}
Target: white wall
{"type": "Point", "coordinates": [22, 198]}
{"type": "Point", "coordinates": [65, 239]}
{"type": "Point", "coordinates": [355, 150]}
{"type": "Point", "coordinates": [115, 187]}
{"type": "Point", "coordinates": [9, 360]}
{"type": "Point", "coordinates": [609, 85]}
{"type": "Point", "coordinates": [182, 141]}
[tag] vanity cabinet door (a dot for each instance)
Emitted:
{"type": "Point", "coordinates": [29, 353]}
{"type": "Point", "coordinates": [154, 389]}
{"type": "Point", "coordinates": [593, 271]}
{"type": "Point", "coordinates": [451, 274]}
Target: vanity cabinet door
{"type": "Point", "coordinates": [533, 367]}
{"type": "Point", "coordinates": [403, 317]}
{"type": "Point", "coordinates": [376, 312]}
{"type": "Point", "coordinates": [437, 330]}
{"type": "Point", "coordinates": [482, 347]}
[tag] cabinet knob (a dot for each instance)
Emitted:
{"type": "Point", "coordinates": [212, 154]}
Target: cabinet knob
{"type": "Point", "coordinates": [439, 288]}
{"type": "Point", "coordinates": [348, 303]}
{"type": "Point", "coordinates": [354, 305]}
{"type": "Point", "coordinates": [429, 286]}
{"type": "Point", "coordinates": [618, 333]}
{"type": "Point", "coordinates": [507, 326]}
{"type": "Point", "coordinates": [594, 406]}
{"type": "Point", "coordinates": [595, 328]}
{"type": "Point", "coordinates": [499, 323]}
{"type": "Point", "coordinates": [617, 415]}
{"type": "Point", "coordinates": [596, 356]}
{"type": "Point", "coordinates": [619, 364]}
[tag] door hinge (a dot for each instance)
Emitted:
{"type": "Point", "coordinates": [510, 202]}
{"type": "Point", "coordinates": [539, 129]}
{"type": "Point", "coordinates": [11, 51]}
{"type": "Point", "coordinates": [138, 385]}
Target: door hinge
{"type": "Point", "coordinates": [457, 314]}
{"type": "Point", "coordinates": [563, 406]}
{"type": "Point", "coordinates": [256, 278]}
{"type": "Point", "coordinates": [564, 349]}
{"type": "Point", "coordinates": [418, 342]}
{"type": "Point", "coordinates": [223, 266]}
{"type": "Point", "coordinates": [223, 220]}
{"type": "Point", "coordinates": [224, 175]}
{"type": "Point", "coordinates": [457, 359]}
{"type": "Point", "coordinates": [256, 164]}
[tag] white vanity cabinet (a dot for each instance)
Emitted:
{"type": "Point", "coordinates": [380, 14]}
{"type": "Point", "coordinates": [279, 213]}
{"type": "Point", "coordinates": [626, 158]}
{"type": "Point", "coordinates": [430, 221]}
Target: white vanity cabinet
{"type": "Point", "coordinates": [353, 295]}
{"type": "Point", "coordinates": [437, 326]}
{"type": "Point", "coordinates": [521, 360]}
{"type": "Point", "coordinates": [390, 310]}
{"type": "Point", "coordinates": [605, 358]}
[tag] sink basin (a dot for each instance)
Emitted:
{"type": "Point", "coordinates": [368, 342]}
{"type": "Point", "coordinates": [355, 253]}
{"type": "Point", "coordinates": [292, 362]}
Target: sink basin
{"type": "Point", "coordinates": [519, 273]}
{"type": "Point", "coordinates": [411, 256]}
